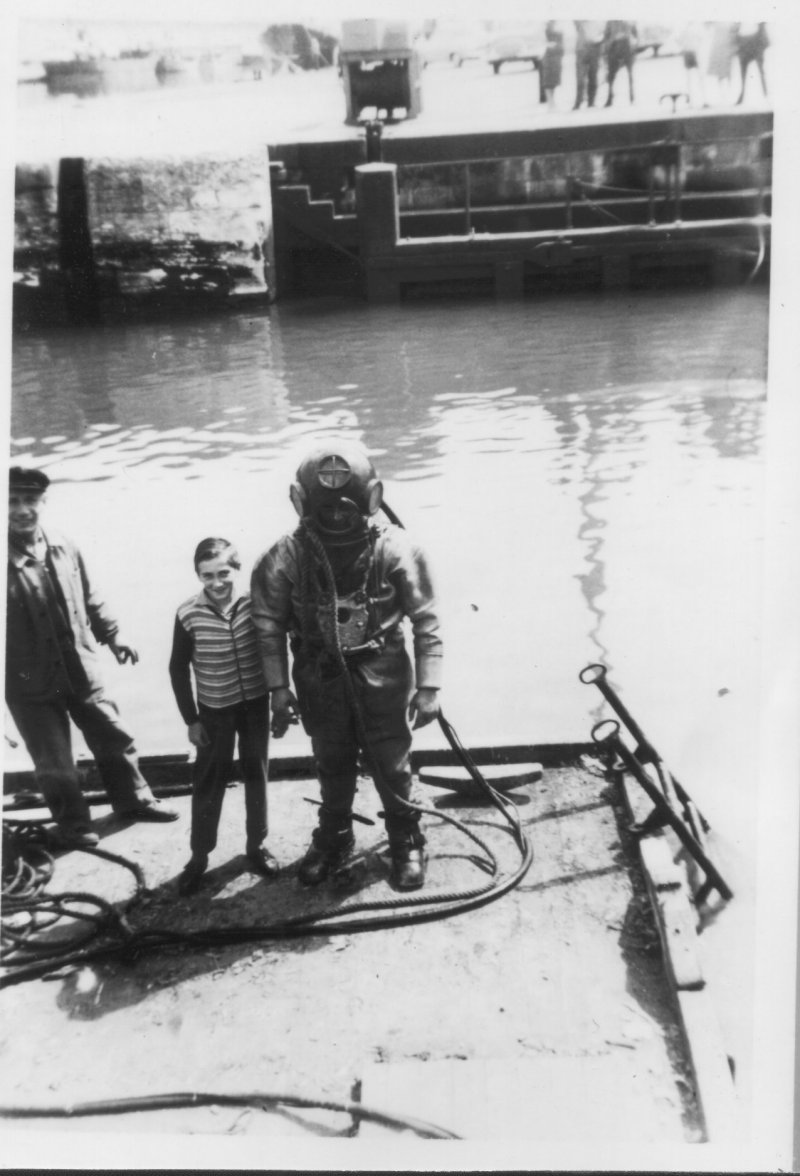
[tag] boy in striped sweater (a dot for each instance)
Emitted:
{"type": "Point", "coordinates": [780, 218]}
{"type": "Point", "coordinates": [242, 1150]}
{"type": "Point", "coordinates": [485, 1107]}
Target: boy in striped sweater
{"type": "Point", "coordinates": [214, 638]}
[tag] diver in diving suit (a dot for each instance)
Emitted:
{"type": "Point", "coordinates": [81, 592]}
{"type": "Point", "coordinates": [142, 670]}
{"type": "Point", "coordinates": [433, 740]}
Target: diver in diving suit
{"type": "Point", "coordinates": [339, 587]}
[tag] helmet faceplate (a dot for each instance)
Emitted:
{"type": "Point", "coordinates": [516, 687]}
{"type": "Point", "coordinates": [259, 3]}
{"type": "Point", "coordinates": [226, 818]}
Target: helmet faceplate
{"type": "Point", "coordinates": [337, 490]}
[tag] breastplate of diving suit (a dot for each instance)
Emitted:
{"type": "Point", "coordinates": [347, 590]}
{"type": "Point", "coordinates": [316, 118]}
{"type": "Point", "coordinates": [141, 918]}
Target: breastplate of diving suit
{"type": "Point", "coordinates": [345, 627]}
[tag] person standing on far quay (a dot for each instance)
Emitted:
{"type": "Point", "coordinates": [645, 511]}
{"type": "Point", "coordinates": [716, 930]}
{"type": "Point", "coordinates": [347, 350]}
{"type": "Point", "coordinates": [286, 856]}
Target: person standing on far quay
{"type": "Point", "coordinates": [721, 53]}
{"type": "Point", "coordinates": [692, 40]}
{"type": "Point", "coordinates": [552, 61]}
{"type": "Point", "coordinates": [588, 49]}
{"type": "Point", "coordinates": [752, 41]}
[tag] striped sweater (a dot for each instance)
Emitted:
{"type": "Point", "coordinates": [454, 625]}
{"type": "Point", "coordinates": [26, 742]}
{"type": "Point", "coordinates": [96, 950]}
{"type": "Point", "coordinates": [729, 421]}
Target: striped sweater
{"type": "Point", "coordinates": [221, 651]}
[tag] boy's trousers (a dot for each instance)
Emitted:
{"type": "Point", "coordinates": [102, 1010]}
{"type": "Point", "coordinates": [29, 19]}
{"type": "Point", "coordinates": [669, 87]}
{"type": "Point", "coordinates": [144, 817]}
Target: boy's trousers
{"type": "Point", "coordinates": [212, 771]}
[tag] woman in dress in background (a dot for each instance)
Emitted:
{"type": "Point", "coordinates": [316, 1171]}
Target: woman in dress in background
{"type": "Point", "coordinates": [721, 52]}
{"type": "Point", "coordinates": [551, 62]}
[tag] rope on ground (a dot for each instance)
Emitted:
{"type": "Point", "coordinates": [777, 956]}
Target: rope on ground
{"type": "Point", "coordinates": [34, 923]}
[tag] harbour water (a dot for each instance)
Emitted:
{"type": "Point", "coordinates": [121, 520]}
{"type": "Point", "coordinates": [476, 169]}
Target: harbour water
{"type": "Point", "coordinates": [587, 474]}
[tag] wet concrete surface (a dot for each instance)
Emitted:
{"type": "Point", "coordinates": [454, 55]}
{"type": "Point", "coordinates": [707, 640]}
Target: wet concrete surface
{"type": "Point", "coordinates": [552, 996]}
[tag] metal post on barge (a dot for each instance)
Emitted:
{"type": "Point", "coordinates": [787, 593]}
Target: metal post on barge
{"type": "Point", "coordinates": [378, 226]}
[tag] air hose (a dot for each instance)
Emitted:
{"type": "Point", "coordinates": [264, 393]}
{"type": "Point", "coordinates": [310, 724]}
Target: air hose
{"type": "Point", "coordinates": [258, 1101]}
{"type": "Point", "coordinates": [501, 803]}
{"type": "Point", "coordinates": [25, 957]}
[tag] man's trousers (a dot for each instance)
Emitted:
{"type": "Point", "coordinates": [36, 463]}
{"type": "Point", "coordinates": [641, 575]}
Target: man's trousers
{"type": "Point", "coordinates": [45, 729]}
{"type": "Point", "coordinates": [587, 66]}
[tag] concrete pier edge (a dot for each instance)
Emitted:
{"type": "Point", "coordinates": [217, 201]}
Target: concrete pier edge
{"type": "Point", "coordinates": [676, 918]}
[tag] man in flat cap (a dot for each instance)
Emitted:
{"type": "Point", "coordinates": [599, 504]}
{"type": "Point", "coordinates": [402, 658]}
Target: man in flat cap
{"type": "Point", "coordinates": [54, 619]}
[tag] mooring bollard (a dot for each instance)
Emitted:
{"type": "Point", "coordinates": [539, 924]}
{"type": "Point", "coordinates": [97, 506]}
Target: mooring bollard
{"type": "Point", "coordinates": [378, 228]}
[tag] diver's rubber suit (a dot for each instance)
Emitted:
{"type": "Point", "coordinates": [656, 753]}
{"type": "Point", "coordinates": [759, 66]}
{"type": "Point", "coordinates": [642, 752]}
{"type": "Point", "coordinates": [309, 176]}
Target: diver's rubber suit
{"type": "Point", "coordinates": [379, 582]}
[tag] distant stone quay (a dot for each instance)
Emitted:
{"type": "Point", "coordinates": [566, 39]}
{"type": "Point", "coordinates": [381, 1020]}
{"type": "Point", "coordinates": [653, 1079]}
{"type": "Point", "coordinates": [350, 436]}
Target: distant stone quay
{"type": "Point", "coordinates": [106, 236]}
{"type": "Point", "coordinates": [662, 199]}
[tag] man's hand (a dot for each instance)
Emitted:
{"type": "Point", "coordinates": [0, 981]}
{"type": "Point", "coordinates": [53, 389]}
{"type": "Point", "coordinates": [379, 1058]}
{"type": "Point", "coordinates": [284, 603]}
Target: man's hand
{"type": "Point", "coordinates": [284, 711]}
{"type": "Point", "coordinates": [197, 734]}
{"type": "Point", "coordinates": [123, 653]}
{"type": "Point", "coordinates": [424, 706]}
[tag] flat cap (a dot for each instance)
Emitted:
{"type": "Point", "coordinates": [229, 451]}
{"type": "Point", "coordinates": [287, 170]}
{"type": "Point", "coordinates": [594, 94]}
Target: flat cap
{"type": "Point", "coordinates": [22, 479]}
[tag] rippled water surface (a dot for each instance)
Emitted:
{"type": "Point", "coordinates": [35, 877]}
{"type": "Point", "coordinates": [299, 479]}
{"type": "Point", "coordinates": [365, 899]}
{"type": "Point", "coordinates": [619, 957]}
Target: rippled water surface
{"type": "Point", "coordinates": [586, 474]}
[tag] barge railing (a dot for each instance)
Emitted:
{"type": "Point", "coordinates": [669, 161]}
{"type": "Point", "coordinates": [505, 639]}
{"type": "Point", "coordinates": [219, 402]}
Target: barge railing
{"type": "Point", "coordinates": [507, 263]}
{"type": "Point", "coordinates": [596, 216]}
{"type": "Point", "coordinates": [568, 171]}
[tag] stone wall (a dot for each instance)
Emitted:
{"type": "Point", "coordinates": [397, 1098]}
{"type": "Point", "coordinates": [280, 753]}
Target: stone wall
{"type": "Point", "coordinates": [99, 237]}
{"type": "Point", "coordinates": [36, 235]}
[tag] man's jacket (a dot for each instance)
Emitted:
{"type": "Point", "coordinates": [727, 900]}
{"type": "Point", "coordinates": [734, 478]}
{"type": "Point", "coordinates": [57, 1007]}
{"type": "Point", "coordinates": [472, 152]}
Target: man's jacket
{"type": "Point", "coordinates": [36, 666]}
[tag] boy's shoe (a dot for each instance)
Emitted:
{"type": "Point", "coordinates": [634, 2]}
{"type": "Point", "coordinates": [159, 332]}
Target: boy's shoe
{"type": "Point", "coordinates": [261, 861]}
{"type": "Point", "coordinates": [191, 875]}
{"type": "Point", "coordinates": [149, 810]}
{"type": "Point", "coordinates": [318, 863]}
{"type": "Point", "coordinates": [68, 838]}
{"type": "Point", "coordinates": [408, 868]}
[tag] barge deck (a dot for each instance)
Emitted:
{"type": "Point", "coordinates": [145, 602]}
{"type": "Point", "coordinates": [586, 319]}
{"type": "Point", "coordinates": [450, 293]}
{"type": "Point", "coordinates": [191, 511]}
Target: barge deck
{"type": "Point", "coordinates": [547, 1015]}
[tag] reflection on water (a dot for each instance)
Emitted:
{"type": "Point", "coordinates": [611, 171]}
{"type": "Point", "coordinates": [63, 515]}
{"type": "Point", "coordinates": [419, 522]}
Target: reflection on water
{"type": "Point", "coordinates": [585, 472]}
{"type": "Point", "coordinates": [399, 378]}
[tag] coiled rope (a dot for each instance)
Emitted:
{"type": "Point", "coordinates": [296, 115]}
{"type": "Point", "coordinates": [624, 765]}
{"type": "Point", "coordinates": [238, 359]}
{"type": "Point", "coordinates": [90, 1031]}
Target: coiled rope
{"type": "Point", "coordinates": [29, 913]}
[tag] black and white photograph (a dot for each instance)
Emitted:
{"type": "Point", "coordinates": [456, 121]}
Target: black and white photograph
{"type": "Point", "coordinates": [400, 760]}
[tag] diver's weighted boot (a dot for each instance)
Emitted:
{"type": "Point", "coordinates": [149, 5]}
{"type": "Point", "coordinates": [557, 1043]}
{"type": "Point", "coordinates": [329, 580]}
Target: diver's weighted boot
{"type": "Point", "coordinates": [322, 861]}
{"type": "Point", "coordinates": [408, 868]}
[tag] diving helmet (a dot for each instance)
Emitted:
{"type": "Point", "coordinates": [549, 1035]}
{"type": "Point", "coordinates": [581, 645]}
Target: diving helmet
{"type": "Point", "coordinates": [336, 490]}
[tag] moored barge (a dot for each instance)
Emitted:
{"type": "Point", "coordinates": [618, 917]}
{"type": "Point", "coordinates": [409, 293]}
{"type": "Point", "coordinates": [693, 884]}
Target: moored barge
{"type": "Point", "coordinates": [546, 986]}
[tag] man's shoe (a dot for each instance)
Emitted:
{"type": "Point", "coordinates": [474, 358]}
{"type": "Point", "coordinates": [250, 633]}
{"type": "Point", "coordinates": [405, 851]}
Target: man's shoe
{"type": "Point", "coordinates": [261, 861]}
{"type": "Point", "coordinates": [408, 869]}
{"type": "Point", "coordinates": [75, 838]}
{"type": "Point", "coordinates": [318, 864]}
{"type": "Point", "coordinates": [191, 875]}
{"type": "Point", "coordinates": [150, 810]}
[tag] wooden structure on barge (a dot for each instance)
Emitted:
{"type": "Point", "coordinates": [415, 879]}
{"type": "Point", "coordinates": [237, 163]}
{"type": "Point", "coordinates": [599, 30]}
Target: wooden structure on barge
{"type": "Point", "coordinates": [592, 207]}
{"type": "Point", "coordinates": [638, 203]}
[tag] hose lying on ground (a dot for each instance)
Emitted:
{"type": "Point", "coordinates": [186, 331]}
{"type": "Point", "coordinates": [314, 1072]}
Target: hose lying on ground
{"type": "Point", "coordinates": [25, 956]}
{"type": "Point", "coordinates": [262, 1102]}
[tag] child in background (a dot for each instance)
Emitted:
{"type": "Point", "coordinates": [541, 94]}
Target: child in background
{"type": "Point", "coordinates": [215, 638]}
